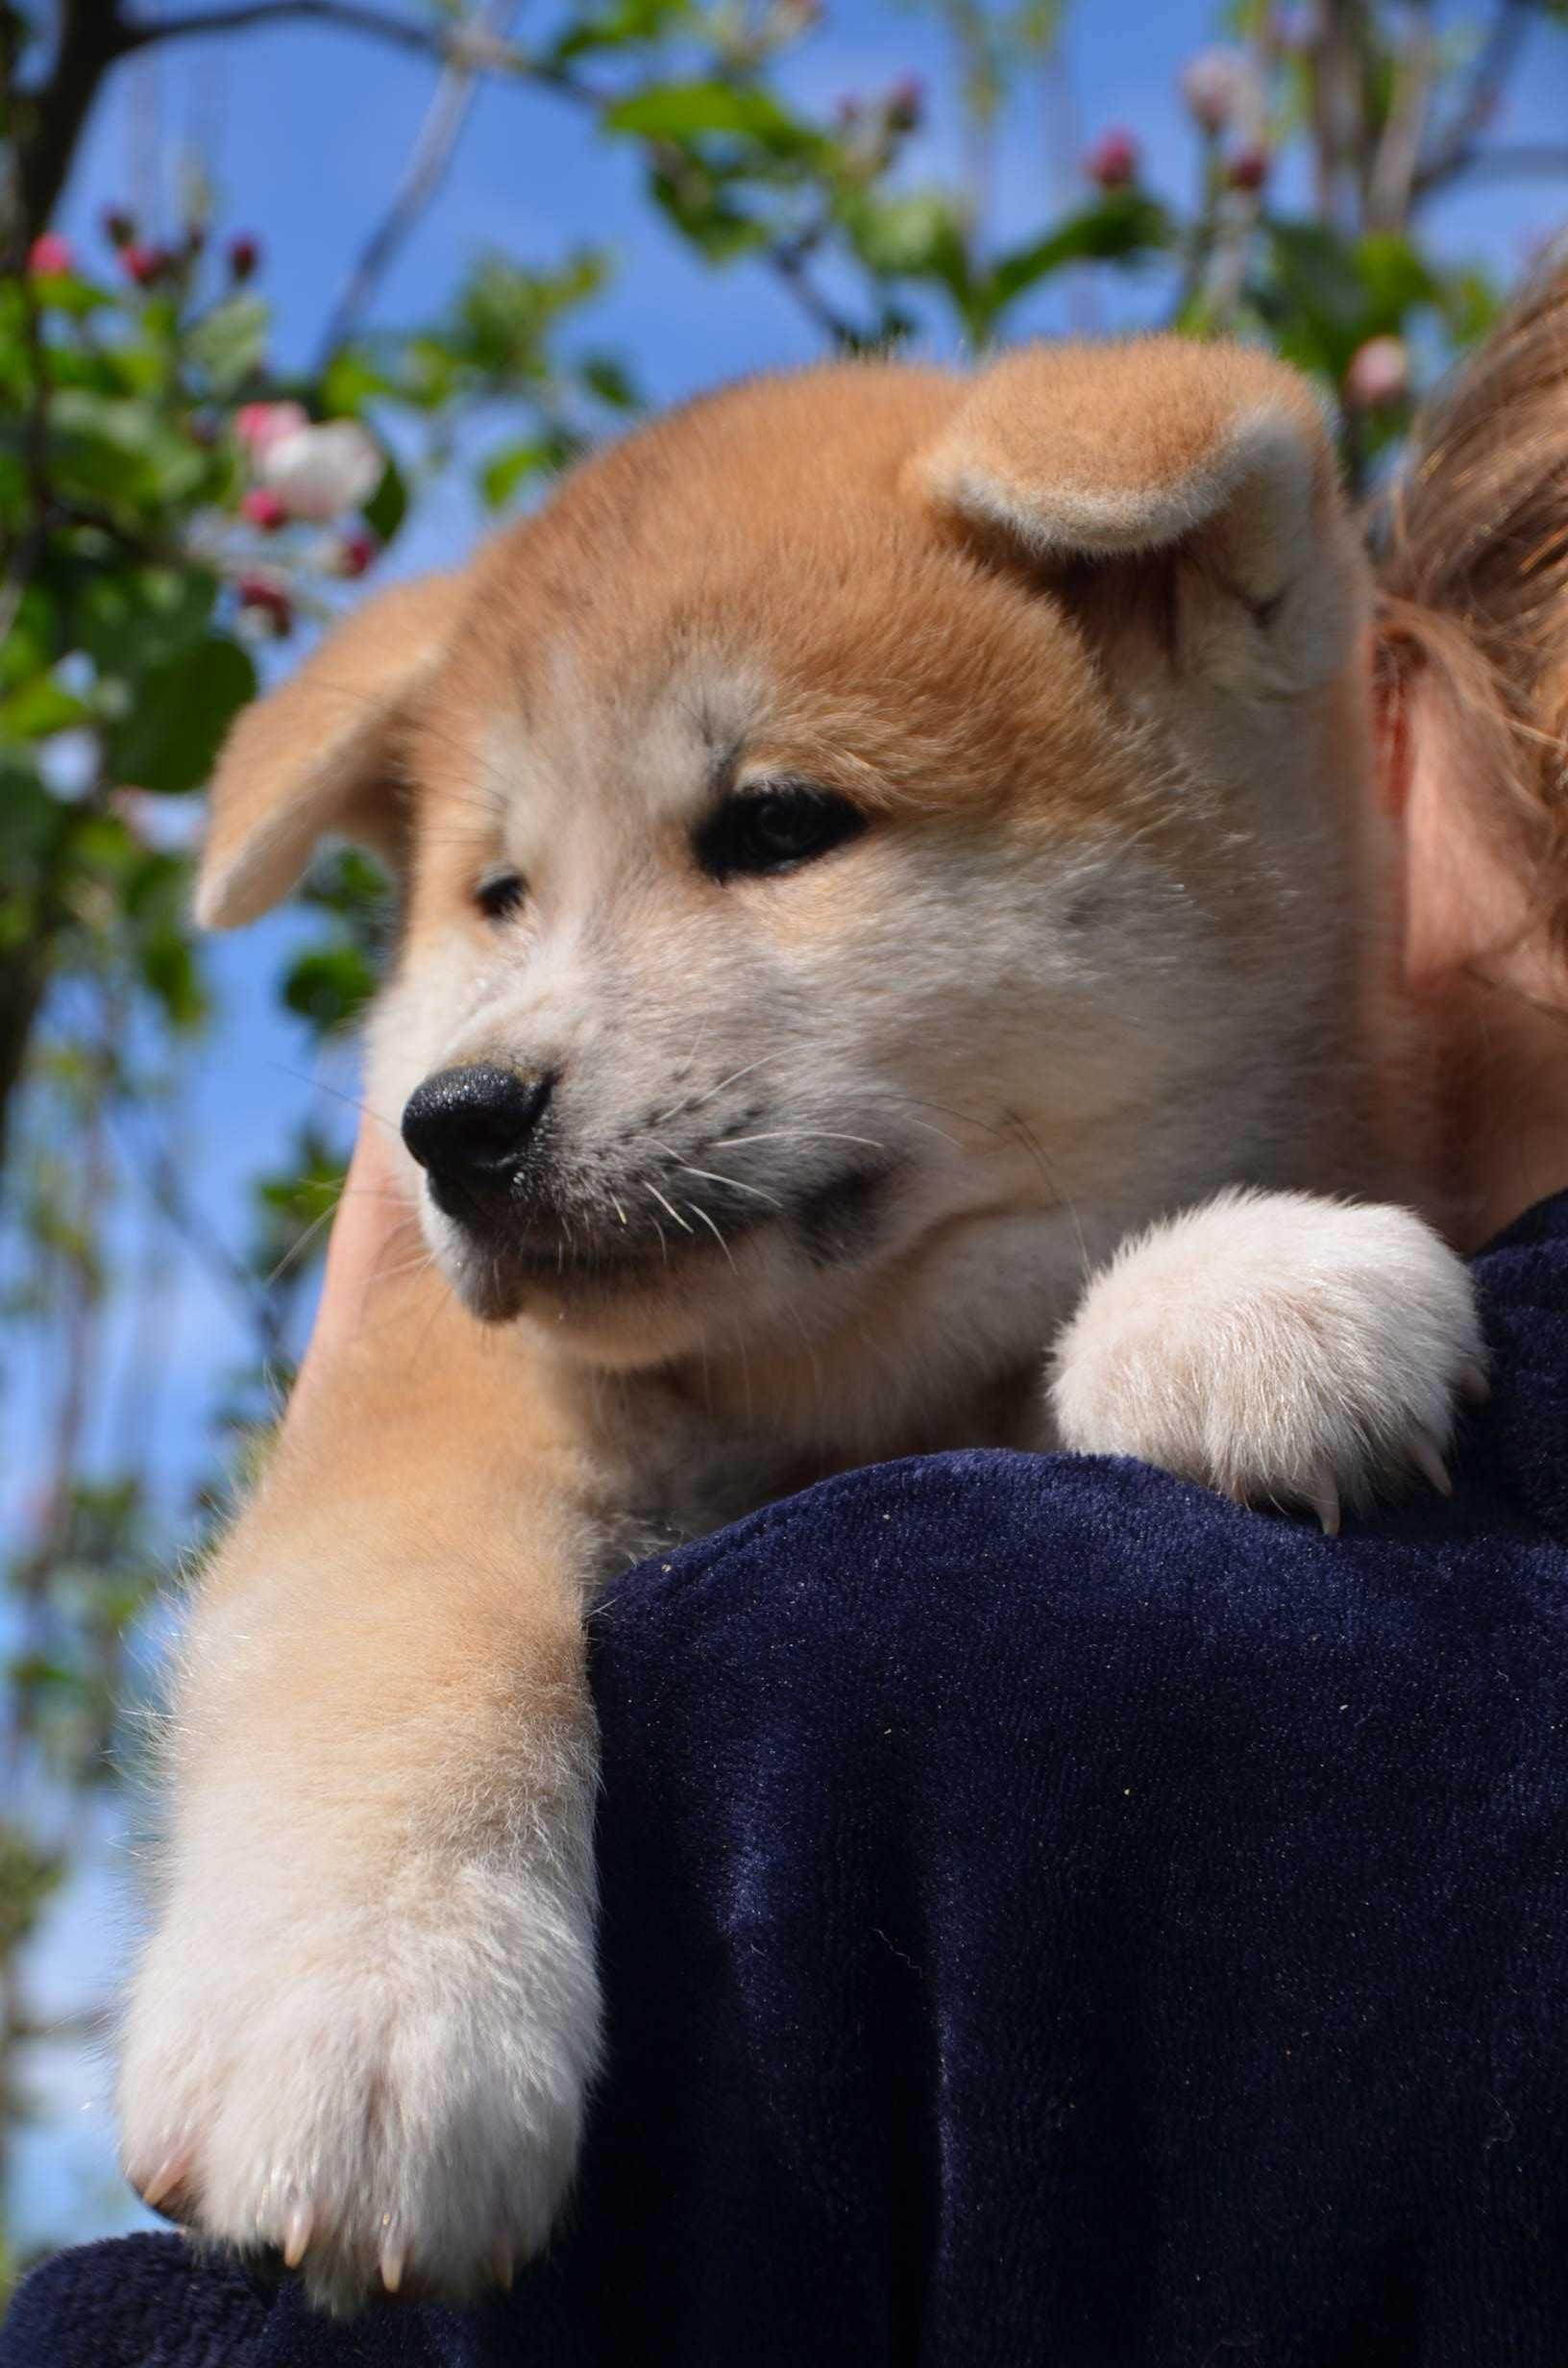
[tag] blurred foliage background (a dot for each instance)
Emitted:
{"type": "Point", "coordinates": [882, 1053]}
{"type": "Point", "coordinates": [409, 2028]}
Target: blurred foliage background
{"type": "Point", "coordinates": [180, 511]}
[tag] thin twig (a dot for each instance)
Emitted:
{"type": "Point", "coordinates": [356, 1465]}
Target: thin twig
{"type": "Point", "coordinates": [1527, 160]}
{"type": "Point", "coordinates": [1391, 183]}
{"type": "Point", "coordinates": [452, 45]}
{"type": "Point", "coordinates": [27, 548]}
{"type": "Point", "coordinates": [1478, 103]}
{"type": "Point", "coordinates": [429, 159]}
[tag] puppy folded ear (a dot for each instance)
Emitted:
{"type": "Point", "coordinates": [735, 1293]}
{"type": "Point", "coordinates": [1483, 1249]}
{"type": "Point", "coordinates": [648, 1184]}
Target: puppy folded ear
{"type": "Point", "coordinates": [1212, 454]}
{"type": "Point", "coordinates": [322, 753]}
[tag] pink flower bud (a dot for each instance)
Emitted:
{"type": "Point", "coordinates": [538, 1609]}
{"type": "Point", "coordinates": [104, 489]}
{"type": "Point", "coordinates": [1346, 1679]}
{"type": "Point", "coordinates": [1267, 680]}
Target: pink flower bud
{"type": "Point", "coordinates": [1114, 160]}
{"type": "Point", "coordinates": [146, 265]}
{"type": "Point", "coordinates": [260, 424]}
{"type": "Point", "coordinates": [265, 600]}
{"type": "Point", "coordinates": [263, 509]}
{"type": "Point", "coordinates": [119, 225]}
{"type": "Point", "coordinates": [244, 257]}
{"type": "Point", "coordinates": [50, 257]}
{"type": "Point", "coordinates": [1248, 168]}
{"type": "Point", "coordinates": [904, 105]}
{"type": "Point", "coordinates": [355, 553]}
{"type": "Point", "coordinates": [1379, 373]}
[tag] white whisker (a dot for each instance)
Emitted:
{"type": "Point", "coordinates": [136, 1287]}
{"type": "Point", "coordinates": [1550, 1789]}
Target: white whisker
{"type": "Point", "coordinates": [733, 1181]}
{"type": "Point", "coordinates": [664, 1204]}
{"type": "Point", "coordinates": [663, 1244]}
{"type": "Point", "coordinates": [734, 1078]}
{"type": "Point", "coordinates": [698, 1211]}
{"type": "Point", "coordinates": [801, 1134]}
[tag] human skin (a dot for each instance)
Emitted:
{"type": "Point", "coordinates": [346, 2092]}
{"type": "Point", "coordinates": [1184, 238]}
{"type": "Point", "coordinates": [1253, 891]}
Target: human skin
{"type": "Point", "coordinates": [1479, 951]}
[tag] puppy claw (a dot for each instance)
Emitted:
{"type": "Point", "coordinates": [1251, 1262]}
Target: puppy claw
{"type": "Point", "coordinates": [1324, 1500]}
{"type": "Point", "coordinates": [393, 2261]}
{"type": "Point", "coordinates": [296, 2233]}
{"type": "Point", "coordinates": [1475, 1383]}
{"type": "Point", "coordinates": [1430, 1464]}
{"type": "Point", "coordinates": [501, 2266]}
{"type": "Point", "coordinates": [170, 2174]}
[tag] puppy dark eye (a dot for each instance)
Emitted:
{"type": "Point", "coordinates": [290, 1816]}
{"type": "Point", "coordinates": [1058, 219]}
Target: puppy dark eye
{"type": "Point", "coordinates": [774, 829]}
{"type": "Point", "coordinates": [501, 895]}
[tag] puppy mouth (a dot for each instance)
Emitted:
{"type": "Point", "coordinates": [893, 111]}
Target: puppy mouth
{"type": "Point", "coordinates": [514, 1249]}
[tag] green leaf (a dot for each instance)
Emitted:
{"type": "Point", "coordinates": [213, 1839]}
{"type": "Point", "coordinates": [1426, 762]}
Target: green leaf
{"type": "Point", "coordinates": [718, 229]}
{"type": "Point", "coordinates": [67, 291]}
{"type": "Point", "coordinates": [388, 505]}
{"type": "Point", "coordinates": [512, 466]}
{"type": "Point", "coordinates": [1124, 228]}
{"type": "Point", "coordinates": [618, 26]}
{"type": "Point", "coordinates": [329, 986]}
{"type": "Point", "coordinates": [348, 883]}
{"type": "Point", "coordinates": [35, 709]}
{"type": "Point", "coordinates": [183, 708]}
{"type": "Point", "coordinates": [608, 378]}
{"type": "Point", "coordinates": [1469, 302]}
{"type": "Point", "coordinates": [29, 645]}
{"type": "Point", "coordinates": [1393, 279]}
{"type": "Point", "coordinates": [120, 452]}
{"type": "Point", "coordinates": [917, 237]}
{"type": "Point", "coordinates": [685, 112]}
{"type": "Point", "coordinates": [353, 380]}
{"type": "Point", "coordinates": [128, 619]}
{"type": "Point", "coordinates": [169, 973]}
{"type": "Point", "coordinates": [228, 344]}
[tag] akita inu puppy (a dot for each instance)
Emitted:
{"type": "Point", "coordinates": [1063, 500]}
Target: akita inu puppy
{"type": "Point", "coordinates": [877, 844]}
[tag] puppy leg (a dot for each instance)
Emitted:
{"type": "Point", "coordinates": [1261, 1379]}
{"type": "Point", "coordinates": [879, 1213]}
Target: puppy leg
{"type": "Point", "coordinates": [365, 2025]}
{"type": "Point", "coordinates": [1286, 1350]}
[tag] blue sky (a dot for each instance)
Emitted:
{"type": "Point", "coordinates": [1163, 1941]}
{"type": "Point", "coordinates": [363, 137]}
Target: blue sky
{"type": "Point", "coordinates": [306, 130]}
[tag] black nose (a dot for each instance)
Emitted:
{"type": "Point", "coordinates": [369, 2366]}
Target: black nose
{"type": "Point", "coordinates": [471, 1128]}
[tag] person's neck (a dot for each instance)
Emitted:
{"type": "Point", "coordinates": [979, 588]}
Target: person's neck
{"type": "Point", "coordinates": [1502, 1091]}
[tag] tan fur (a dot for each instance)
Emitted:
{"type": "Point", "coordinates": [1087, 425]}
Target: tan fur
{"type": "Point", "coordinates": [832, 1153]}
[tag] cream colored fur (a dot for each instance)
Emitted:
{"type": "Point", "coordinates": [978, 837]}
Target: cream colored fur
{"type": "Point", "coordinates": [831, 1156]}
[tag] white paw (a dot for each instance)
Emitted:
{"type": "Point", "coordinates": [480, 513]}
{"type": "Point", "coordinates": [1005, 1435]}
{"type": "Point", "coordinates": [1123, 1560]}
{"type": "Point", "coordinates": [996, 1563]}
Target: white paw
{"type": "Point", "coordinates": [389, 2090]}
{"type": "Point", "coordinates": [1286, 1350]}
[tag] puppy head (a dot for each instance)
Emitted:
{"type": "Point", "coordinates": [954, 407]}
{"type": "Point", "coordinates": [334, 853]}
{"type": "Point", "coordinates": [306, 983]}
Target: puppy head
{"type": "Point", "coordinates": [861, 816]}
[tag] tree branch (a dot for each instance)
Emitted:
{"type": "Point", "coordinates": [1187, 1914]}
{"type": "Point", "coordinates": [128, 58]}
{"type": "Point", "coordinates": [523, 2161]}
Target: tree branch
{"type": "Point", "coordinates": [457, 45]}
{"type": "Point", "coordinates": [46, 122]}
{"type": "Point", "coordinates": [1478, 104]}
{"type": "Point", "coordinates": [1529, 159]}
{"type": "Point", "coordinates": [478, 37]}
{"type": "Point", "coordinates": [466, 51]}
{"type": "Point", "coordinates": [1398, 155]}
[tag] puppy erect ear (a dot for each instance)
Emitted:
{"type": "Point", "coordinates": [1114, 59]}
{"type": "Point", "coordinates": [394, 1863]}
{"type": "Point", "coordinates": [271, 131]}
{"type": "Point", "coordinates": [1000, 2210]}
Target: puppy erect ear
{"type": "Point", "coordinates": [1214, 454]}
{"type": "Point", "coordinates": [321, 753]}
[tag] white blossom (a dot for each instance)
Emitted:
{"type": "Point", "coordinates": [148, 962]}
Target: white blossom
{"type": "Point", "coordinates": [320, 471]}
{"type": "Point", "coordinates": [1223, 94]}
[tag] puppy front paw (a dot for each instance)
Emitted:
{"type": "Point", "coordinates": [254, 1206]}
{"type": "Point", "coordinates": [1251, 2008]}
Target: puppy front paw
{"type": "Point", "coordinates": [390, 2094]}
{"type": "Point", "coordinates": [1284, 1349]}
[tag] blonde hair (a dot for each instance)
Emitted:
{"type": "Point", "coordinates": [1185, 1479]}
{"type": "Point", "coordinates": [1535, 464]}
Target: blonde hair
{"type": "Point", "coordinates": [1474, 576]}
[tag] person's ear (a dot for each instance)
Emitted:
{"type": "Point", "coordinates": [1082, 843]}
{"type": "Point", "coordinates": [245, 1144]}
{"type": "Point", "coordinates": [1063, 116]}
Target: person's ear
{"type": "Point", "coordinates": [323, 752]}
{"type": "Point", "coordinates": [1159, 474]}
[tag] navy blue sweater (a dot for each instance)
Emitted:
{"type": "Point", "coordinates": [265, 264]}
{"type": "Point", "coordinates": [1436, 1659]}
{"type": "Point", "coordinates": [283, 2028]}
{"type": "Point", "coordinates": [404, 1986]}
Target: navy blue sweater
{"type": "Point", "coordinates": [1050, 1915]}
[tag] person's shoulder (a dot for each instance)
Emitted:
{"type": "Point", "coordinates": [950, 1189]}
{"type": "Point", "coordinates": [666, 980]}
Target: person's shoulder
{"type": "Point", "coordinates": [942, 1538]}
{"type": "Point", "coordinates": [1055, 1537]}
